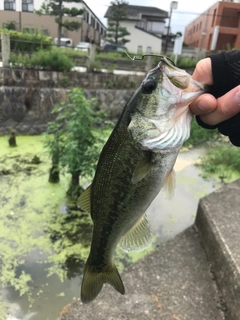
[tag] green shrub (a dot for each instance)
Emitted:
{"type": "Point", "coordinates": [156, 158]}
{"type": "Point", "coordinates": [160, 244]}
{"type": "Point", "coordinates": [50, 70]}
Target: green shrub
{"type": "Point", "coordinates": [20, 41]}
{"type": "Point", "coordinates": [186, 62]}
{"type": "Point", "coordinates": [199, 135]}
{"type": "Point", "coordinates": [53, 59]}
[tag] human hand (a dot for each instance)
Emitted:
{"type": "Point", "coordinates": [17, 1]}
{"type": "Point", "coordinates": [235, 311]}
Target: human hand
{"type": "Point", "coordinates": [213, 111]}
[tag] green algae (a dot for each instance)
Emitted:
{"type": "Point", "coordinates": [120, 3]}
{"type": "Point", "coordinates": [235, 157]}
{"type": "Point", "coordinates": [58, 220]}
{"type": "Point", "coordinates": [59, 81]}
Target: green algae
{"type": "Point", "coordinates": [37, 215]}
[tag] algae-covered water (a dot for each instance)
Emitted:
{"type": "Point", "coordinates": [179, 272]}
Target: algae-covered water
{"type": "Point", "coordinates": [45, 239]}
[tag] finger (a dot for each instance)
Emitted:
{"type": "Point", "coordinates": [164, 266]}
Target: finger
{"type": "Point", "coordinates": [227, 107]}
{"type": "Point", "coordinates": [204, 104]}
{"type": "Point", "coordinates": [203, 71]}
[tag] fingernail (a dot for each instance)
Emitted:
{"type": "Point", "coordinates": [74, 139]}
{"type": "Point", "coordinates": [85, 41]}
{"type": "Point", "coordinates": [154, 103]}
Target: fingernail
{"type": "Point", "coordinates": [236, 97]}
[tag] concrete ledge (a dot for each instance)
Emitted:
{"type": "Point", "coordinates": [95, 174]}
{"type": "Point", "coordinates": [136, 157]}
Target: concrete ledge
{"type": "Point", "coordinates": [218, 223]}
{"type": "Point", "coordinates": [171, 283]}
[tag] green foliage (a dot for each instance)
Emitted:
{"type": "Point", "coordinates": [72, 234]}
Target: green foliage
{"type": "Point", "coordinates": [56, 8]}
{"type": "Point", "coordinates": [20, 41]}
{"type": "Point", "coordinates": [115, 33]}
{"type": "Point", "coordinates": [65, 81]}
{"type": "Point", "coordinates": [199, 135]}
{"type": "Point", "coordinates": [53, 59]}
{"type": "Point", "coordinates": [186, 62]}
{"type": "Point", "coordinates": [222, 161]}
{"type": "Point", "coordinates": [73, 132]}
{"type": "Point", "coordinates": [11, 25]}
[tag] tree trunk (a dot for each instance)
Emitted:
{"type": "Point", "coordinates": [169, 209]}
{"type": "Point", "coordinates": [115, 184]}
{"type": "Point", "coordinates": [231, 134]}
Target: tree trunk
{"type": "Point", "coordinates": [74, 188]}
{"type": "Point", "coordinates": [12, 140]}
{"type": "Point", "coordinates": [54, 171]}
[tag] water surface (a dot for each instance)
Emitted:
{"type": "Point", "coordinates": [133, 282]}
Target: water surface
{"type": "Point", "coordinates": [44, 243]}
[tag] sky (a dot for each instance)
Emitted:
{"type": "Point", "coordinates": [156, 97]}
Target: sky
{"type": "Point", "coordinates": [184, 14]}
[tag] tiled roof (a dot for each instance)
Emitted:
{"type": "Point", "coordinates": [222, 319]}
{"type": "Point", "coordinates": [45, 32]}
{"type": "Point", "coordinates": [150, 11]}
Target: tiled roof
{"type": "Point", "coordinates": [136, 10]}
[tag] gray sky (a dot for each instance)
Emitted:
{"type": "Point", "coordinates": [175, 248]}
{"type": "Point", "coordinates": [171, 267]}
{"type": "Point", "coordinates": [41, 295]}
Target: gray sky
{"type": "Point", "coordinates": [180, 17]}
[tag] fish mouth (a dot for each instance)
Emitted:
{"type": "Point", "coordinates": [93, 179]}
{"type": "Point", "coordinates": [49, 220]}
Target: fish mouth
{"type": "Point", "coordinates": [179, 78]}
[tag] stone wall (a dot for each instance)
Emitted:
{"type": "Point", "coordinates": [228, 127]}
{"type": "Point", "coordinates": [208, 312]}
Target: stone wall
{"type": "Point", "coordinates": [27, 110]}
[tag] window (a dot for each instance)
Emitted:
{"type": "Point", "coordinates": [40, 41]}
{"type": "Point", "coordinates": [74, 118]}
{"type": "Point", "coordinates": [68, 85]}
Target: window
{"type": "Point", "coordinates": [86, 16]}
{"type": "Point", "coordinates": [9, 5]}
{"type": "Point", "coordinates": [214, 15]}
{"type": "Point", "coordinates": [92, 22]}
{"type": "Point", "coordinates": [29, 30]}
{"type": "Point", "coordinates": [149, 49]}
{"type": "Point", "coordinates": [44, 32]}
{"type": "Point", "coordinates": [140, 24]}
{"type": "Point", "coordinates": [27, 5]}
{"type": "Point", "coordinates": [139, 49]}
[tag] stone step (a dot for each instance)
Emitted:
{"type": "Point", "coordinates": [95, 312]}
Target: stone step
{"type": "Point", "coordinates": [172, 283]}
{"type": "Point", "coordinates": [218, 224]}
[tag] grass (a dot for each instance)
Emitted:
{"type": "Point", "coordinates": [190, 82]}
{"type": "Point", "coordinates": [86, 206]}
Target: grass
{"type": "Point", "coordinates": [222, 162]}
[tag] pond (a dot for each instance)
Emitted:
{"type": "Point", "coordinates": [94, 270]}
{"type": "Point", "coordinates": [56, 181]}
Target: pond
{"type": "Point", "coordinates": [45, 239]}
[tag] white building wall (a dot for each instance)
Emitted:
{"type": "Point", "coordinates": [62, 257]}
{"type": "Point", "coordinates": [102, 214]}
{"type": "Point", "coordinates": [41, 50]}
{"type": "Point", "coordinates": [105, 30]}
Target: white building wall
{"type": "Point", "coordinates": [18, 5]}
{"type": "Point", "coordinates": [140, 38]}
{"type": "Point", "coordinates": [37, 4]}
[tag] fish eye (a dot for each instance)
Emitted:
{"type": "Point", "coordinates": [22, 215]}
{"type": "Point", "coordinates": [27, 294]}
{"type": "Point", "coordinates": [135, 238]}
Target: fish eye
{"type": "Point", "coordinates": [149, 86]}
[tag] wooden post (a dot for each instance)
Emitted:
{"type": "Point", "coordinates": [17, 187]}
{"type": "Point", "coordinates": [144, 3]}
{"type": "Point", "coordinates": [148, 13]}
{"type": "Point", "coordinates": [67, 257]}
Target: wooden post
{"type": "Point", "coordinates": [5, 38]}
{"type": "Point", "coordinates": [148, 65]}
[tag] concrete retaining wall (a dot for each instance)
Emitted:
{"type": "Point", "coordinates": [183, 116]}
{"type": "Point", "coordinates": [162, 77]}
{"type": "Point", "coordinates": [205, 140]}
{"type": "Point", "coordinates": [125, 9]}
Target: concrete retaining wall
{"type": "Point", "coordinates": [28, 110]}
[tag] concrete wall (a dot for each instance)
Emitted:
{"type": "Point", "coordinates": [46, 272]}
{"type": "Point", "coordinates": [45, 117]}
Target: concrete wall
{"type": "Point", "coordinates": [28, 110]}
{"type": "Point", "coordinates": [49, 79]}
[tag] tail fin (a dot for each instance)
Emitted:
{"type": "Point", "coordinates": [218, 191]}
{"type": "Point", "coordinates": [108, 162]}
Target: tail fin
{"type": "Point", "coordinates": [93, 281]}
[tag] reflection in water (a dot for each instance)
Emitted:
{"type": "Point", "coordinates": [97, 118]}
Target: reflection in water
{"type": "Point", "coordinates": [45, 240]}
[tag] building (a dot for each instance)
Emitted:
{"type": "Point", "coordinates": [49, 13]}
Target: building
{"type": "Point", "coordinates": [218, 28]}
{"type": "Point", "coordinates": [21, 13]}
{"type": "Point", "coordinates": [146, 26]}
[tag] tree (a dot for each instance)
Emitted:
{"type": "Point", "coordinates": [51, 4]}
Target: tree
{"type": "Point", "coordinates": [116, 33]}
{"type": "Point", "coordinates": [56, 8]}
{"type": "Point", "coordinates": [73, 144]}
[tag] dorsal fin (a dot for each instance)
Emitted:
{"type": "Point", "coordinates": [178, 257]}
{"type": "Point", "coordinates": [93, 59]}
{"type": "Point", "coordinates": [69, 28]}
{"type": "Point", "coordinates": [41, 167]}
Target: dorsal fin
{"type": "Point", "coordinates": [138, 237]}
{"type": "Point", "coordinates": [84, 201]}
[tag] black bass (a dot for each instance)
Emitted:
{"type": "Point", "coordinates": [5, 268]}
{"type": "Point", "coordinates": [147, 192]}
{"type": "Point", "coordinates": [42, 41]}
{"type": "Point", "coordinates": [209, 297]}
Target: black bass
{"type": "Point", "coordinates": [135, 163]}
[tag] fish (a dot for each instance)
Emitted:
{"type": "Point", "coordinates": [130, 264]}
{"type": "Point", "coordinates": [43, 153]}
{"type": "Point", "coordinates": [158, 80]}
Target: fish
{"type": "Point", "coordinates": [134, 165]}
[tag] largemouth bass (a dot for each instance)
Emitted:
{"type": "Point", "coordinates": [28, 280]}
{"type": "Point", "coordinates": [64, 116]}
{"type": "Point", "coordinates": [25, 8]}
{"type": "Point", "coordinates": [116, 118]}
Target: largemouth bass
{"type": "Point", "coordinates": [135, 163]}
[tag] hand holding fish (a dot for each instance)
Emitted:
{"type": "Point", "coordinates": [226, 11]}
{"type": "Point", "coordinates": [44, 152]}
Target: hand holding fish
{"type": "Point", "coordinates": [212, 110]}
{"type": "Point", "coordinates": [220, 108]}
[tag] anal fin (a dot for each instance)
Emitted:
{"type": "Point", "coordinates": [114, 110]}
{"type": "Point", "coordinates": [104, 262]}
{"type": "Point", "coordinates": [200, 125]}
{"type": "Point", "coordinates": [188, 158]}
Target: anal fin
{"type": "Point", "coordinates": [138, 237]}
{"type": "Point", "coordinates": [84, 201]}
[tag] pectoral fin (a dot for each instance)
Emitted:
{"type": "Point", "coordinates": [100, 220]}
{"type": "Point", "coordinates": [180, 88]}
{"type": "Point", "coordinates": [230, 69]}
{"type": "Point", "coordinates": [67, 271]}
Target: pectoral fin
{"type": "Point", "coordinates": [84, 200]}
{"type": "Point", "coordinates": [141, 170]}
{"type": "Point", "coordinates": [138, 237]}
